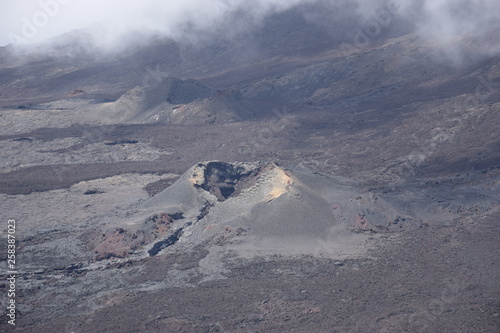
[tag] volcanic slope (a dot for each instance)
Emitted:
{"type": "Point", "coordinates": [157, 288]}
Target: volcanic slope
{"type": "Point", "coordinates": [220, 219]}
{"type": "Point", "coordinates": [255, 246]}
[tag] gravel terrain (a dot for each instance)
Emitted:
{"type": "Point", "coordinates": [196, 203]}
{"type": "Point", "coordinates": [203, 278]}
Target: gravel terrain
{"type": "Point", "coordinates": [271, 183]}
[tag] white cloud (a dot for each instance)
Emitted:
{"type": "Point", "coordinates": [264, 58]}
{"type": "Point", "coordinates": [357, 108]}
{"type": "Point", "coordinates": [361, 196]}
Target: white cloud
{"type": "Point", "coordinates": [444, 19]}
{"type": "Point", "coordinates": [37, 20]}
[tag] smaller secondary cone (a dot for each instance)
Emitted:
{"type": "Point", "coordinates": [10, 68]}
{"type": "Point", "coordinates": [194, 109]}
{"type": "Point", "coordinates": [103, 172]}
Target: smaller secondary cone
{"type": "Point", "coordinates": [140, 103]}
{"type": "Point", "coordinates": [179, 102]}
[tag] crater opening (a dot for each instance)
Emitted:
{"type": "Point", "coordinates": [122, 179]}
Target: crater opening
{"type": "Point", "coordinates": [225, 180]}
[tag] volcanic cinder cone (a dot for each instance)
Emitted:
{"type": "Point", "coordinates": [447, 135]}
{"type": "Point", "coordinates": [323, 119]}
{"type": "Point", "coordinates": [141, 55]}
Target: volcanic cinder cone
{"type": "Point", "coordinates": [261, 207]}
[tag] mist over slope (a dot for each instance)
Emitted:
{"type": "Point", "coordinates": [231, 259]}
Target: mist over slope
{"type": "Point", "coordinates": [111, 26]}
{"type": "Point", "coordinates": [356, 68]}
{"type": "Point", "coordinates": [233, 34]}
{"type": "Point", "coordinates": [265, 166]}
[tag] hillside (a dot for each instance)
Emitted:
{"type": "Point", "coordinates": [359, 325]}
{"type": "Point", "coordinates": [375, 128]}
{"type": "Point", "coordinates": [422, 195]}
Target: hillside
{"type": "Point", "coordinates": [316, 169]}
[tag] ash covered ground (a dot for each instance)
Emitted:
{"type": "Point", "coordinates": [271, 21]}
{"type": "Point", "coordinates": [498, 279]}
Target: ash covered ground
{"type": "Point", "coordinates": [289, 180]}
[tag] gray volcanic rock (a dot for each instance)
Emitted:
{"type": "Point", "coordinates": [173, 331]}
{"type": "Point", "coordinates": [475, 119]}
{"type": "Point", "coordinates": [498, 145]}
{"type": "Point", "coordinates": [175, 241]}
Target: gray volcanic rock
{"type": "Point", "coordinates": [111, 238]}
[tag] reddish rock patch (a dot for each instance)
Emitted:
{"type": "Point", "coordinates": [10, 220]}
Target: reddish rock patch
{"type": "Point", "coordinates": [120, 243]}
{"type": "Point", "coordinates": [361, 223]}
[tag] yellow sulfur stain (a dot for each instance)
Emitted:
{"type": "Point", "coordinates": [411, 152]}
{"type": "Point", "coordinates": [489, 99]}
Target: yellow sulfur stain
{"type": "Point", "coordinates": [198, 176]}
{"type": "Point", "coordinates": [281, 183]}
